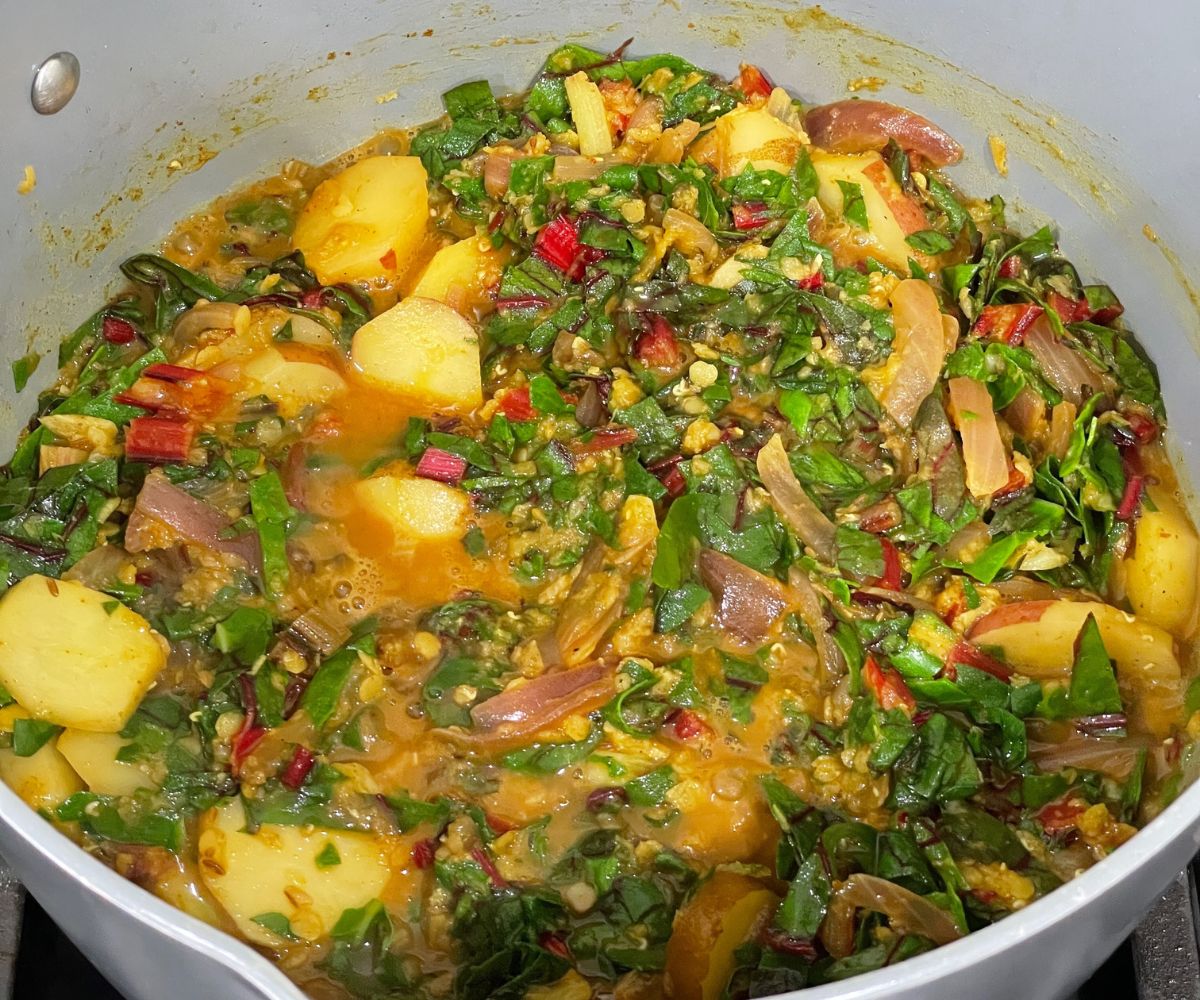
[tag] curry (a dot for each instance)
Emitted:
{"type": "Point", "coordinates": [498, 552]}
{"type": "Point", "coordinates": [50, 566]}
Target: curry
{"type": "Point", "coordinates": [648, 537]}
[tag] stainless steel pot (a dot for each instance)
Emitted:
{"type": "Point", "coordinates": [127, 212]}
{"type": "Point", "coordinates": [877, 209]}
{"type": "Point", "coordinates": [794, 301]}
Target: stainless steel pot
{"type": "Point", "coordinates": [180, 101]}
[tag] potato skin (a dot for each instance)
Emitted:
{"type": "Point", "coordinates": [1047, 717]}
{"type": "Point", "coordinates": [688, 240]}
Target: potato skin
{"type": "Point", "coordinates": [891, 215]}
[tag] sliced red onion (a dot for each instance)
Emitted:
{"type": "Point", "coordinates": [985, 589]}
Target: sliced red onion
{"type": "Point", "coordinates": [906, 911]}
{"type": "Point", "coordinates": [193, 520]}
{"type": "Point", "coordinates": [524, 710]}
{"type": "Point", "coordinates": [857, 126]}
{"type": "Point", "coordinates": [1066, 369]}
{"type": "Point", "coordinates": [748, 603]}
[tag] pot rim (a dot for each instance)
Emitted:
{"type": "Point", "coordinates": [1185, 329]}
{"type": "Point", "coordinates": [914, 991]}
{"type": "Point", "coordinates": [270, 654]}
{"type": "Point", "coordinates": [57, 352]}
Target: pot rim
{"type": "Point", "coordinates": [258, 971]}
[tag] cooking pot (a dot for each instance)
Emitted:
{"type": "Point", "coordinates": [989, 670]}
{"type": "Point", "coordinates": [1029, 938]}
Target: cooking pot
{"type": "Point", "coordinates": [179, 102]}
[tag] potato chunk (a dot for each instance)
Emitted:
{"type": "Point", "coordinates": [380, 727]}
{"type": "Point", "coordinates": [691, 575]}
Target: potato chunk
{"type": "Point", "coordinates": [422, 350]}
{"type": "Point", "coordinates": [74, 656]}
{"type": "Point", "coordinates": [1038, 639]}
{"type": "Point", "coordinates": [891, 215]}
{"type": "Point", "coordinates": [1160, 574]}
{"type": "Point", "coordinates": [366, 222]}
{"type": "Point", "coordinates": [723, 915]}
{"type": "Point", "coordinates": [418, 510]}
{"type": "Point", "coordinates": [275, 871]}
{"type": "Point", "coordinates": [94, 758]}
{"type": "Point", "coordinates": [43, 780]}
{"type": "Point", "coordinates": [292, 385]}
{"type": "Point", "coordinates": [461, 274]}
{"type": "Point", "coordinates": [755, 137]}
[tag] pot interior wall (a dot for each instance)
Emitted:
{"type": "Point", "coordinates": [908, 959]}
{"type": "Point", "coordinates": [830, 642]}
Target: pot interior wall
{"type": "Point", "coordinates": [180, 102]}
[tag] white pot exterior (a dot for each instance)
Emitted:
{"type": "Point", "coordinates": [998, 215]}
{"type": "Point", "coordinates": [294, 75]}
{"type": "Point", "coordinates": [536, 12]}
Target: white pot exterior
{"type": "Point", "coordinates": [1104, 138]}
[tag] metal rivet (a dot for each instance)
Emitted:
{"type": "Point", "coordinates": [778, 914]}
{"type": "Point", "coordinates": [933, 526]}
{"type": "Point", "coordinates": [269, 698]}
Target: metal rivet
{"type": "Point", "coordinates": [54, 83]}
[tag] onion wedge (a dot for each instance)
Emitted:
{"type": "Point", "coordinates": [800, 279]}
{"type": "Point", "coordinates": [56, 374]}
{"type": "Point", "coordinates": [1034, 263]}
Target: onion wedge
{"type": "Point", "coordinates": [1066, 369]}
{"type": "Point", "coordinates": [748, 603]}
{"type": "Point", "coordinates": [983, 450]}
{"type": "Point", "coordinates": [857, 126]}
{"type": "Point", "coordinates": [922, 343]}
{"type": "Point", "coordinates": [907, 912]}
{"type": "Point", "coordinates": [162, 503]}
{"type": "Point", "coordinates": [523, 710]}
{"type": "Point", "coordinates": [794, 505]}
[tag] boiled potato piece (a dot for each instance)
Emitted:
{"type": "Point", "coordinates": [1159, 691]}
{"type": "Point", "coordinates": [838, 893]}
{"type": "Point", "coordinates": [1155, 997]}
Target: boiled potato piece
{"type": "Point", "coordinates": [1038, 639]}
{"type": "Point", "coordinates": [1160, 575]}
{"type": "Point", "coordinates": [418, 510]}
{"type": "Point", "coordinates": [43, 780]}
{"type": "Point", "coordinates": [366, 222]}
{"type": "Point", "coordinates": [74, 656]}
{"type": "Point", "coordinates": [461, 274]}
{"type": "Point", "coordinates": [275, 871]}
{"type": "Point", "coordinates": [423, 350]}
{"type": "Point", "coordinates": [755, 137]}
{"type": "Point", "coordinates": [891, 216]}
{"type": "Point", "coordinates": [723, 915]}
{"type": "Point", "coordinates": [293, 385]}
{"type": "Point", "coordinates": [94, 758]}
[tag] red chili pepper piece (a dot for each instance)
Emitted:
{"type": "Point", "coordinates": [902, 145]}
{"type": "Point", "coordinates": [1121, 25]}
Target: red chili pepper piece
{"type": "Point", "coordinates": [1010, 267]}
{"type": "Point", "coordinates": [1131, 500]}
{"type": "Point", "coordinates": [888, 687]}
{"type": "Point", "coordinates": [750, 215]}
{"type": "Point", "coordinates": [1014, 485]}
{"type": "Point", "coordinates": [753, 82]}
{"type": "Point", "coordinates": [498, 824]}
{"type": "Point", "coordinates": [158, 439]}
{"type": "Point", "coordinates": [515, 404]}
{"type": "Point", "coordinates": [688, 725]}
{"type": "Point", "coordinates": [118, 331]}
{"type": "Point", "coordinates": [1069, 310]}
{"type": "Point", "coordinates": [297, 770]}
{"type": "Point", "coordinates": [423, 852]}
{"type": "Point", "coordinates": [443, 466]}
{"type": "Point", "coordinates": [555, 945]}
{"type": "Point", "coordinates": [1007, 323]}
{"type": "Point", "coordinates": [657, 346]}
{"type": "Point", "coordinates": [893, 572]}
{"type": "Point", "coordinates": [388, 260]}
{"type": "Point", "coordinates": [557, 243]}
{"type": "Point", "coordinates": [1059, 817]}
{"type": "Point", "coordinates": [973, 656]}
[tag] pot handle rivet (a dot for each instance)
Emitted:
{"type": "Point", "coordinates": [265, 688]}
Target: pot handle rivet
{"type": "Point", "coordinates": [54, 83]}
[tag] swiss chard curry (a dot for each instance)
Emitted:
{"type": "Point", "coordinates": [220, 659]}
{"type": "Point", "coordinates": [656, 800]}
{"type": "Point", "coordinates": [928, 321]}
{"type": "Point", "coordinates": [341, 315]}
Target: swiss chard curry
{"type": "Point", "coordinates": [646, 538]}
